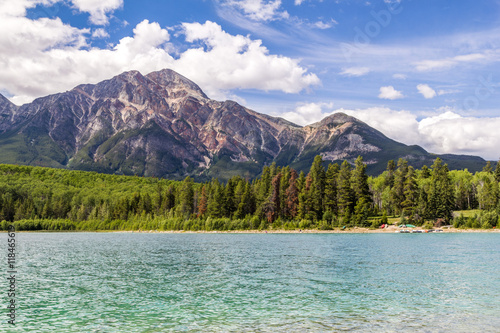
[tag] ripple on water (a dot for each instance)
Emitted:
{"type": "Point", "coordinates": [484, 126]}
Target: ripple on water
{"type": "Point", "coordinates": [76, 282]}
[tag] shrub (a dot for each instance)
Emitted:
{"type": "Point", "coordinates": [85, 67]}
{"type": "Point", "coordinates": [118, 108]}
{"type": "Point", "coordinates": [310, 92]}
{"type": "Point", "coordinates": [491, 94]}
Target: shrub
{"type": "Point", "coordinates": [428, 225]}
{"type": "Point", "coordinates": [489, 218]}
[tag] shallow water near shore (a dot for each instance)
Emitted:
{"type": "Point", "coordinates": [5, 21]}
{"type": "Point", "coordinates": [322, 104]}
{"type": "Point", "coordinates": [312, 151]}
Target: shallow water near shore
{"type": "Point", "coordinates": [131, 282]}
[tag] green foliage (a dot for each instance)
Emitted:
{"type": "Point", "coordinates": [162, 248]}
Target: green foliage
{"type": "Point", "coordinates": [375, 224]}
{"type": "Point", "coordinates": [38, 198]}
{"type": "Point", "coordinates": [428, 225]}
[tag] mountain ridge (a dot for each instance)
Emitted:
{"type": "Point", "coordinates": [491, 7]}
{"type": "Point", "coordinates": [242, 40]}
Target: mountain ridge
{"type": "Point", "coordinates": [163, 124]}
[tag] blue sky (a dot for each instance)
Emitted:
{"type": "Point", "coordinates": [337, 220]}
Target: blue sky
{"type": "Point", "coordinates": [423, 72]}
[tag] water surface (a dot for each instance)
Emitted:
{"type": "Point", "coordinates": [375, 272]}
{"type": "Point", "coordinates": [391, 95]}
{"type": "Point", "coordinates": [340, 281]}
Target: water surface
{"type": "Point", "coordinates": [131, 282]}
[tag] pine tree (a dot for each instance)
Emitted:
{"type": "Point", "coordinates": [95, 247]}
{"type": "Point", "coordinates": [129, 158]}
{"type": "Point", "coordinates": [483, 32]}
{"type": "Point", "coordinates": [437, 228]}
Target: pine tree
{"type": "Point", "coordinates": [441, 194]}
{"type": "Point", "coordinates": [169, 198]}
{"type": "Point", "coordinates": [247, 204]}
{"type": "Point", "coordinates": [305, 202]}
{"type": "Point", "coordinates": [488, 194]}
{"type": "Point", "coordinates": [331, 178]}
{"type": "Point", "coordinates": [410, 193]}
{"type": "Point", "coordinates": [47, 208]}
{"type": "Point", "coordinates": [317, 187]}
{"type": "Point", "coordinates": [273, 210]}
{"type": "Point", "coordinates": [284, 184]}
{"type": "Point", "coordinates": [186, 195]}
{"type": "Point", "coordinates": [301, 181]}
{"type": "Point", "coordinates": [202, 202]}
{"type": "Point", "coordinates": [292, 196]}
{"type": "Point", "coordinates": [230, 205]}
{"type": "Point", "coordinates": [238, 191]}
{"type": "Point", "coordinates": [361, 191]}
{"type": "Point", "coordinates": [263, 187]}
{"type": "Point", "coordinates": [488, 168]}
{"type": "Point", "coordinates": [389, 178]}
{"type": "Point", "coordinates": [497, 172]}
{"type": "Point", "coordinates": [345, 194]}
{"type": "Point", "coordinates": [425, 172]}
{"type": "Point", "coordinates": [360, 181]}
{"type": "Point", "coordinates": [397, 191]}
{"type": "Point", "coordinates": [215, 205]}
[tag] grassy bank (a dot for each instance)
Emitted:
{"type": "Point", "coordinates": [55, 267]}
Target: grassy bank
{"type": "Point", "coordinates": [464, 221]}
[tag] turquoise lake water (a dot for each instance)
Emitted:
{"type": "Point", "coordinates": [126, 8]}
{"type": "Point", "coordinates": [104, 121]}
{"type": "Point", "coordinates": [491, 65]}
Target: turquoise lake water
{"type": "Point", "coordinates": [131, 282]}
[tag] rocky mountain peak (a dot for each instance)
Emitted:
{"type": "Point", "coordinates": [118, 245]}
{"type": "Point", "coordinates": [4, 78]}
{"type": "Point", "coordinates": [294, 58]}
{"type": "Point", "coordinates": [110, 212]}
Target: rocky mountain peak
{"type": "Point", "coordinates": [335, 120]}
{"type": "Point", "coordinates": [176, 84]}
{"type": "Point", "coordinates": [5, 103]}
{"type": "Point", "coordinates": [162, 124]}
{"type": "Point", "coordinates": [7, 108]}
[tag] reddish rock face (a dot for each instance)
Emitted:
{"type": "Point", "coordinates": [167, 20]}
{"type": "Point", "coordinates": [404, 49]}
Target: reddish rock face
{"type": "Point", "coordinates": [163, 124]}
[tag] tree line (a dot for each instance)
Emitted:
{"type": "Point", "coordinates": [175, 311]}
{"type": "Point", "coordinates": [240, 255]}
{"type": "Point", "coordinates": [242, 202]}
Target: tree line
{"type": "Point", "coordinates": [328, 196]}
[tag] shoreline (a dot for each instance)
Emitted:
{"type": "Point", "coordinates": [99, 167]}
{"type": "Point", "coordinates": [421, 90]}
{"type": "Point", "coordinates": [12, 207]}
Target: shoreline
{"type": "Point", "coordinates": [354, 230]}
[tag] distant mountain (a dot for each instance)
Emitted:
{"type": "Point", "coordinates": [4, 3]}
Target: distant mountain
{"type": "Point", "coordinates": [163, 124]}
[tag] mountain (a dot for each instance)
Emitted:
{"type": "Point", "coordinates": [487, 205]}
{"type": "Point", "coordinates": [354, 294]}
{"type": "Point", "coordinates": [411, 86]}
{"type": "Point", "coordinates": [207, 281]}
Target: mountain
{"type": "Point", "coordinates": [163, 124]}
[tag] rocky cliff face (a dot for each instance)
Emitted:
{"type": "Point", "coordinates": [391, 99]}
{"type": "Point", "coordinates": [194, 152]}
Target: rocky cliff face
{"type": "Point", "coordinates": [7, 113]}
{"type": "Point", "coordinates": [162, 124]}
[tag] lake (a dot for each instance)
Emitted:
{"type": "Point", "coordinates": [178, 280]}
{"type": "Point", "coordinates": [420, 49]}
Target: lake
{"type": "Point", "coordinates": [138, 282]}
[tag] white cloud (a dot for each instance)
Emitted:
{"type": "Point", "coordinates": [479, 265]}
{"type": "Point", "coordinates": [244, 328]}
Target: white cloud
{"type": "Point", "coordinates": [399, 76]}
{"type": "Point", "coordinates": [258, 10]}
{"type": "Point", "coordinates": [22, 37]}
{"type": "Point", "coordinates": [308, 113]}
{"type": "Point", "coordinates": [446, 63]}
{"type": "Point", "coordinates": [325, 25]}
{"type": "Point", "coordinates": [450, 132]}
{"type": "Point", "coordinates": [100, 33]}
{"type": "Point", "coordinates": [389, 93]}
{"type": "Point", "coordinates": [98, 9]}
{"type": "Point", "coordinates": [45, 56]}
{"type": "Point", "coordinates": [355, 71]}
{"type": "Point", "coordinates": [231, 62]}
{"type": "Point", "coordinates": [446, 132]}
{"type": "Point", "coordinates": [445, 92]}
{"type": "Point", "coordinates": [298, 2]}
{"type": "Point", "coordinates": [426, 91]}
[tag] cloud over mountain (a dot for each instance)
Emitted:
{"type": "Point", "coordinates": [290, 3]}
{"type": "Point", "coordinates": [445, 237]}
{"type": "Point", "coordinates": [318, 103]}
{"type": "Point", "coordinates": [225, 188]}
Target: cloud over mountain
{"type": "Point", "coordinates": [32, 50]}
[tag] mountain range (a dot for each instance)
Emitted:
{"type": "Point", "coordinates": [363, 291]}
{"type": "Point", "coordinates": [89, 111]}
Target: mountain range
{"type": "Point", "coordinates": [162, 124]}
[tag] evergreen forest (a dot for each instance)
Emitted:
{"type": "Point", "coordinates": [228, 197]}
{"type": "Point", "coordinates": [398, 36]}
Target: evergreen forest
{"type": "Point", "coordinates": [329, 196]}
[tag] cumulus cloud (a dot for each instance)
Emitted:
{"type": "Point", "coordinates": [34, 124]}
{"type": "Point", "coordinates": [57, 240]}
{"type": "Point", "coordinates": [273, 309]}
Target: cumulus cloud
{"type": "Point", "coordinates": [98, 9]}
{"type": "Point", "coordinates": [44, 56]}
{"type": "Point", "coordinates": [231, 62]}
{"type": "Point", "coordinates": [355, 71]}
{"type": "Point", "coordinates": [426, 91]}
{"type": "Point", "coordinates": [450, 132]}
{"type": "Point", "coordinates": [446, 132]}
{"type": "Point", "coordinates": [390, 93]}
{"type": "Point", "coordinates": [258, 10]}
{"type": "Point", "coordinates": [308, 113]}
{"type": "Point", "coordinates": [100, 33]}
